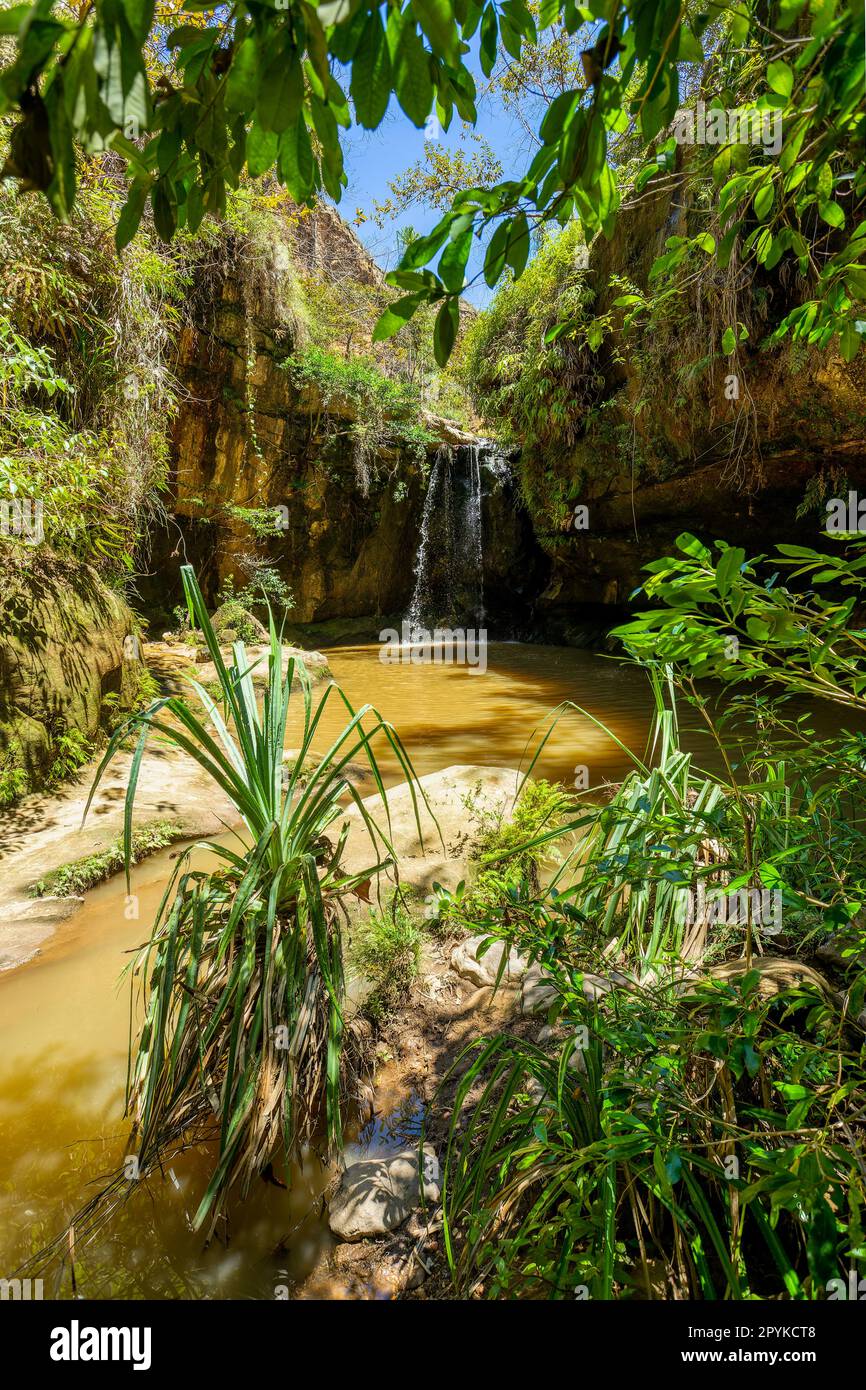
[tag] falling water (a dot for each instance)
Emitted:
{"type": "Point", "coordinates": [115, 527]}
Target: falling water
{"type": "Point", "coordinates": [435, 486]}
{"type": "Point", "coordinates": [473, 527]}
{"type": "Point", "coordinates": [449, 563]}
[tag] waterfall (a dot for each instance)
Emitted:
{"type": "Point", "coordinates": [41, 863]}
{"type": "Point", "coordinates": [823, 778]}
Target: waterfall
{"type": "Point", "coordinates": [473, 528]}
{"type": "Point", "coordinates": [420, 594]}
{"type": "Point", "coordinates": [448, 571]}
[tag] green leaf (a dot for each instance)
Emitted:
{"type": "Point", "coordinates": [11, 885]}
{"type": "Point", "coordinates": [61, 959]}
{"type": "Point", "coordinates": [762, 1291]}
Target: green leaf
{"type": "Point", "coordinates": [517, 252]}
{"type": "Point", "coordinates": [139, 17]}
{"type": "Point", "coordinates": [12, 19]}
{"type": "Point", "coordinates": [371, 74]}
{"type": "Point", "coordinates": [729, 341]}
{"type": "Point", "coordinates": [262, 146]}
{"type": "Point", "coordinates": [436, 18]}
{"type": "Point", "coordinates": [413, 82]}
{"type": "Point", "coordinates": [61, 190]}
{"type": "Point", "coordinates": [445, 330]}
{"type": "Point", "coordinates": [242, 83]}
{"type": "Point", "coordinates": [494, 258]}
{"type": "Point", "coordinates": [780, 78]}
{"type": "Point", "coordinates": [690, 545]}
{"type": "Point", "coordinates": [831, 213]}
{"type": "Point", "coordinates": [396, 316]}
{"type": "Point", "coordinates": [295, 161]}
{"type": "Point", "coordinates": [763, 202]}
{"type": "Point", "coordinates": [489, 41]}
{"type": "Point", "coordinates": [452, 263]}
{"type": "Point", "coordinates": [164, 208]}
{"type": "Point", "coordinates": [130, 215]}
{"type": "Point", "coordinates": [282, 92]}
{"type": "Point", "coordinates": [728, 567]}
{"type": "Point", "coordinates": [849, 341]}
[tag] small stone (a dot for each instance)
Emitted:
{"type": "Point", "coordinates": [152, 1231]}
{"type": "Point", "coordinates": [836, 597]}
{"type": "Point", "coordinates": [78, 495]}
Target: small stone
{"type": "Point", "coordinates": [376, 1195]}
{"type": "Point", "coordinates": [484, 970]}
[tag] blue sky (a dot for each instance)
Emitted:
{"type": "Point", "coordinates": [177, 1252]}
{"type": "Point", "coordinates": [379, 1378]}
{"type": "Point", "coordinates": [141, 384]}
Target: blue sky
{"type": "Point", "coordinates": [373, 158]}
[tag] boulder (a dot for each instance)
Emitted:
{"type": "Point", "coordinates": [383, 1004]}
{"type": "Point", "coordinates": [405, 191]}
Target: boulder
{"type": "Point", "coordinates": [484, 970]}
{"type": "Point", "coordinates": [463, 800]}
{"type": "Point", "coordinates": [539, 991]}
{"type": "Point", "coordinates": [376, 1195]}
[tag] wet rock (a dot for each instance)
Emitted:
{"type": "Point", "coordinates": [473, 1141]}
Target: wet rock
{"type": "Point", "coordinates": [25, 925]}
{"type": "Point", "coordinates": [484, 970]}
{"type": "Point", "coordinates": [376, 1195]}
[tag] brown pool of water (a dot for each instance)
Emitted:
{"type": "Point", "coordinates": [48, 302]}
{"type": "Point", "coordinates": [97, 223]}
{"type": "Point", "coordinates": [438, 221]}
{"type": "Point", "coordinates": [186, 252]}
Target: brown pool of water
{"type": "Point", "coordinates": [450, 714]}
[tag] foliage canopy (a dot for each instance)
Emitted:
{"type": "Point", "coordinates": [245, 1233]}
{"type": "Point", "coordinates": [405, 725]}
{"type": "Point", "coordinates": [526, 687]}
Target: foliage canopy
{"type": "Point", "coordinates": [254, 86]}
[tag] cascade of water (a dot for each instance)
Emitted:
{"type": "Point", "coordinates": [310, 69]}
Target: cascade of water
{"type": "Point", "coordinates": [473, 527]}
{"type": "Point", "coordinates": [441, 464]}
{"type": "Point", "coordinates": [449, 562]}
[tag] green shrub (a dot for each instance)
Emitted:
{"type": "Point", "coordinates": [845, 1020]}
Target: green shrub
{"type": "Point", "coordinates": [70, 751]}
{"type": "Point", "coordinates": [531, 391]}
{"type": "Point", "coordinates": [232, 622]}
{"type": "Point", "coordinates": [664, 1148]}
{"type": "Point", "coordinates": [14, 781]}
{"type": "Point", "coordinates": [380, 410]}
{"type": "Point", "coordinates": [249, 1061]}
{"type": "Point", "coordinates": [507, 855]}
{"type": "Point", "coordinates": [386, 950]}
{"type": "Point", "coordinates": [71, 880]}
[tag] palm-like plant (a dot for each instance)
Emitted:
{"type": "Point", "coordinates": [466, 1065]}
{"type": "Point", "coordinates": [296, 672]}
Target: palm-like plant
{"type": "Point", "coordinates": [242, 976]}
{"type": "Point", "coordinates": [636, 859]}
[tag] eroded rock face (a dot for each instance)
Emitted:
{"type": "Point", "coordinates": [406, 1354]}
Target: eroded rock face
{"type": "Point", "coordinates": [250, 434]}
{"type": "Point", "coordinates": [67, 642]}
{"type": "Point", "coordinates": [377, 1195]}
{"type": "Point", "coordinates": [678, 437]}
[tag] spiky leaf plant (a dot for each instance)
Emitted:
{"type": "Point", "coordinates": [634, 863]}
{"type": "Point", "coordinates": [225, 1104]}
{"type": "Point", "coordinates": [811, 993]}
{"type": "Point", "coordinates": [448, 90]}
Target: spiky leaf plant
{"type": "Point", "coordinates": [242, 977]}
{"type": "Point", "coordinates": [636, 859]}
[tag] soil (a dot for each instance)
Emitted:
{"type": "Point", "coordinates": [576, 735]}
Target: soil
{"type": "Point", "coordinates": [417, 1051]}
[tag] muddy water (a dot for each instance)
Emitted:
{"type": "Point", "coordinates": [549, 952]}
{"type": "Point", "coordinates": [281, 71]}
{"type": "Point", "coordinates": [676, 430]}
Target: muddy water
{"type": "Point", "coordinates": [448, 714]}
{"type": "Point", "coordinates": [64, 1019]}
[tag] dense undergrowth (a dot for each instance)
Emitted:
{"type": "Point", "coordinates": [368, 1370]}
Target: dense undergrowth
{"type": "Point", "coordinates": [689, 334]}
{"type": "Point", "coordinates": [691, 1125]}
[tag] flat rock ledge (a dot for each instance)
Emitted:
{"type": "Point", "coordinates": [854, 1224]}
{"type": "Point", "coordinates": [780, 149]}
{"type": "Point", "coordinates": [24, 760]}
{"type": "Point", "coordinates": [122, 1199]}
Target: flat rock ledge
{"type": "Point", "coordinates": [25, 923]}
{"type": "Point", "coordinates": [376, 1195]}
